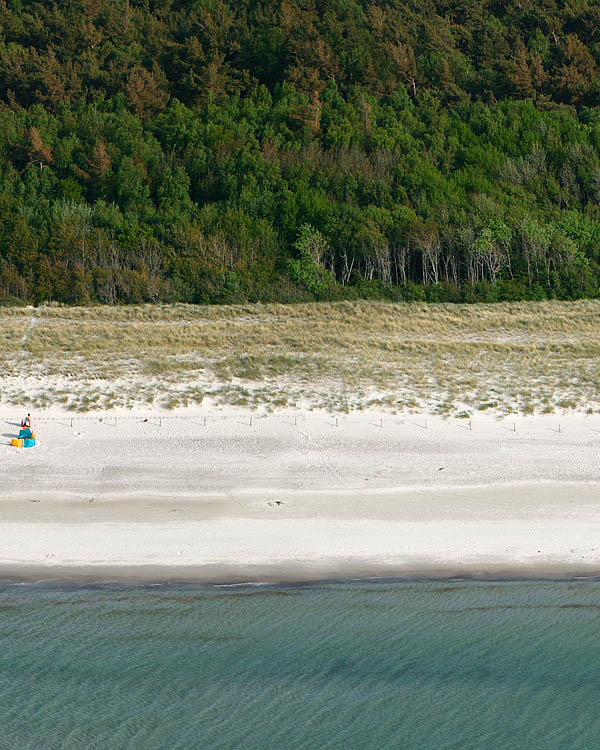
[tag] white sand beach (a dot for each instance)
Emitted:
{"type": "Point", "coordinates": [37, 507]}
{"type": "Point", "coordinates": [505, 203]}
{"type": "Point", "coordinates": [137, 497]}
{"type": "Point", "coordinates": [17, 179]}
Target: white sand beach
{"type": "Point", "coordinates": [221, 494]}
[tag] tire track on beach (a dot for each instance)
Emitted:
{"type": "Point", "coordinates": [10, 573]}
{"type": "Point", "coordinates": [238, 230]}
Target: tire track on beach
{"type": "Point", "coordinates": [317, 450]}
{"type": "Point", "coordinates": [328, 465]}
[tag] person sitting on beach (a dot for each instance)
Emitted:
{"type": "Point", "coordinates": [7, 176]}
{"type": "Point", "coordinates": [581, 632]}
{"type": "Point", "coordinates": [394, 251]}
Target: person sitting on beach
{"type": "Point", "coordinates": [25, 431]}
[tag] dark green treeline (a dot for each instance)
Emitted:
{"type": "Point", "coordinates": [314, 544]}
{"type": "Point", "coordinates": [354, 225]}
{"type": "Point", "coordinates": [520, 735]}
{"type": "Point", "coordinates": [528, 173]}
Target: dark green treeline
{"type": "Point", "coordinates": [230, 150]}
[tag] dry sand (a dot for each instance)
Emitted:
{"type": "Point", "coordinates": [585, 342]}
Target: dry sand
{"type": "Point", "coordinates": [295, 496]}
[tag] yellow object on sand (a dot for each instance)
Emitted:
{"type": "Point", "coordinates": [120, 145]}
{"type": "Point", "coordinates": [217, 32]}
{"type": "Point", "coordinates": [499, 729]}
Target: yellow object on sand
{"type": "Point", "coordinates": [17, 442]}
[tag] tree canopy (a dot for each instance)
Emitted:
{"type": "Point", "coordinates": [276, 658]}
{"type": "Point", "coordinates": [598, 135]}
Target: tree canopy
{"type": "Point", "coordinates": [225, 151]}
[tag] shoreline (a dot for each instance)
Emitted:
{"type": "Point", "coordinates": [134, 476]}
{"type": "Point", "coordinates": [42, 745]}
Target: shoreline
{"type": "Point", "coordinates": [285, 575]}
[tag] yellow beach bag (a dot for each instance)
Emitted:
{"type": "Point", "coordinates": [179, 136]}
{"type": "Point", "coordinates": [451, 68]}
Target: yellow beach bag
{"type": "Point", "coordinates": [17, 442]}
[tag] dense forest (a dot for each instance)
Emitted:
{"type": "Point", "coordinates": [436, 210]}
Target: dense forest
{"type": "Point", "coordinates": [242, 150]}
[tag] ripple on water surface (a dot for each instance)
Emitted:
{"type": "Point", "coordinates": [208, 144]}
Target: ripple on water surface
{"type": "Point", "coordinates": [454, 664]}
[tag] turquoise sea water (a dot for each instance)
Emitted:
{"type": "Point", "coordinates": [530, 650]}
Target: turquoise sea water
{"type": "Point", "coordinates": [366, 664]}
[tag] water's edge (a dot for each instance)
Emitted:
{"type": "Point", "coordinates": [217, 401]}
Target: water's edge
{"type": "Point", "coordinates": [292, 573]}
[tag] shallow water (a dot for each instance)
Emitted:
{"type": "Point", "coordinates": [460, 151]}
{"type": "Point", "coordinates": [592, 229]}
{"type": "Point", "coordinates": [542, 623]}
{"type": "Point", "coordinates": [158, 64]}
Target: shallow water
{"type": "Point", "coordinates": [453, 664]}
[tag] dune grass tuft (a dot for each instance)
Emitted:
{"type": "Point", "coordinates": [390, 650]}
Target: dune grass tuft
{"type": "Point", "coordinates": [521, 357]}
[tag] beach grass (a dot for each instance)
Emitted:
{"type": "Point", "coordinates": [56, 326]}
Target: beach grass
{"type": "Point", "coordinates": [524, 357]}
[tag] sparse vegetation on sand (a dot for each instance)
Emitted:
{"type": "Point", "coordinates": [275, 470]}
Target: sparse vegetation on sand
{"type": "Point", "coordinates": [446, 359]}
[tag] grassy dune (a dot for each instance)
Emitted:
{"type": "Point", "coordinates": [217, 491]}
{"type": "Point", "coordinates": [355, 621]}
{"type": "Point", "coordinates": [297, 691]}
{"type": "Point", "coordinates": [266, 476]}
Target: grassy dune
{"type": "Point", "coordinates": [446, 359]}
